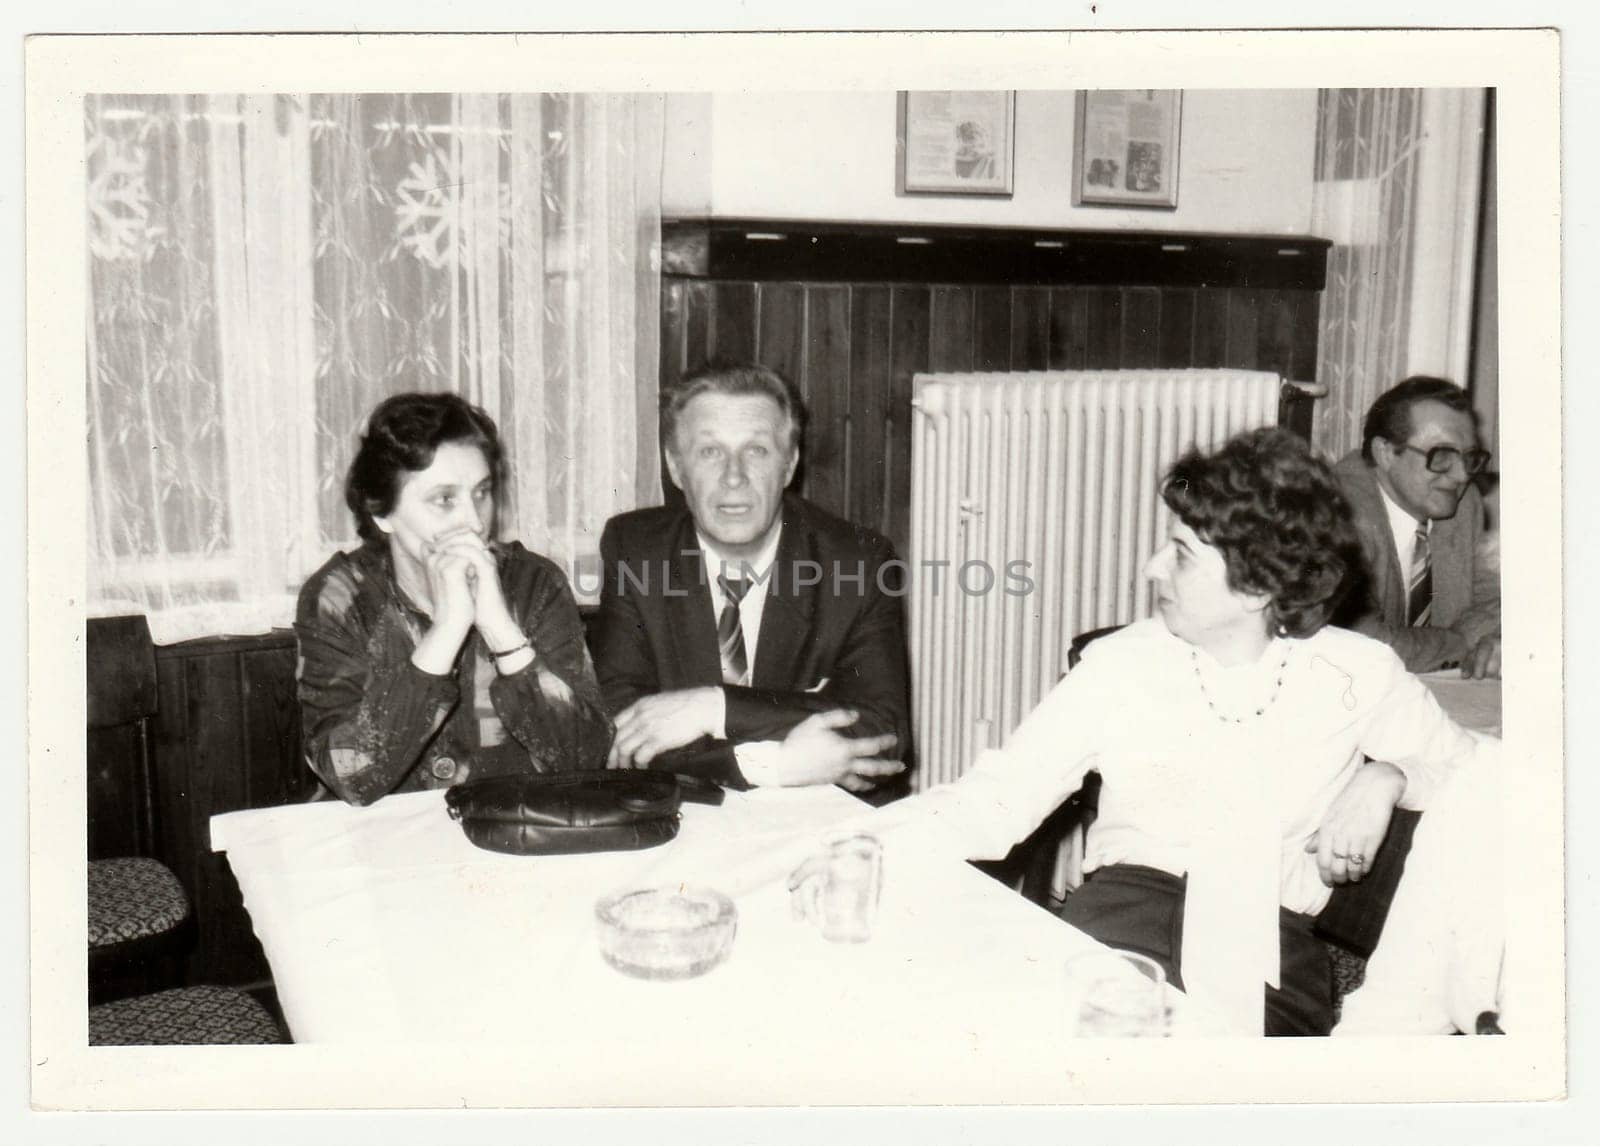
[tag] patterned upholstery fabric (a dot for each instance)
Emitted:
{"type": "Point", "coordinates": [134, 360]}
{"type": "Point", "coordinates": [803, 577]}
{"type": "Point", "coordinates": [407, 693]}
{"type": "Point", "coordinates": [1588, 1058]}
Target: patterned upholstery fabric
{"type": "Point", "coordinates": [183, 1017]}
{"type": "Point", "coordinates": [132, 898]}
{"type": "Point", "coordinates": [1348, 972]}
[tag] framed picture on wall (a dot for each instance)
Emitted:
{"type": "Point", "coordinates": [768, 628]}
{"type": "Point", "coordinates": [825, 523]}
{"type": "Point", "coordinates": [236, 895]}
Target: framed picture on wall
{"type": "Point", "coordinates": [955, 143]}
{"type": "Point", "coordinates": [1125, 148]}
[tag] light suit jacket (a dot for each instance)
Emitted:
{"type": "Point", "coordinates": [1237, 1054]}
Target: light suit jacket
{"type": "Point", "coordinates": [1466, 589]}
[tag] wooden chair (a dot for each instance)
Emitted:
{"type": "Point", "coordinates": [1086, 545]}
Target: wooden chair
{"type": "Point", "coordinates": [1033, 864]}
{"type": "Point", "coordinates": [184, 1016]}
{"type": "Point", "coordinates": [139, 915]}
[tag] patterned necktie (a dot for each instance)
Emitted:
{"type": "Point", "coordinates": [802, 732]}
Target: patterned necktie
{"type": "Point", "coordinates": [1420, 599]}
{"type": "Point", "coordinates": [730, 633]}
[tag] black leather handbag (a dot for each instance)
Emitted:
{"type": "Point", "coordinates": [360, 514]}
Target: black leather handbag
{"type": "Point", "coordinates": [566, 813]}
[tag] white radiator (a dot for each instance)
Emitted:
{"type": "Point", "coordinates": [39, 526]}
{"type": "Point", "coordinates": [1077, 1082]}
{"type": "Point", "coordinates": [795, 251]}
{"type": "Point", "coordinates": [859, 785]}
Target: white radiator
{"type": "Point", "coordinates": [1059, 470]}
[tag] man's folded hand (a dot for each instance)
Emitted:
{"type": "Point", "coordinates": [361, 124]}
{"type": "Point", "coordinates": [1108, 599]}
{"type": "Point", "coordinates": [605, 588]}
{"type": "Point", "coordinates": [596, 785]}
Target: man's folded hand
{"type": "Point", "coordinates": [815, 753]}
{"type": "Point", "coordinates": [655, 724]}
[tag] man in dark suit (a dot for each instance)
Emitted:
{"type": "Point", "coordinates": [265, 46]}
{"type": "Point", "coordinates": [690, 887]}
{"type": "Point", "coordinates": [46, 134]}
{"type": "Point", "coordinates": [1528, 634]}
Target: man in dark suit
{"type": "Point", "coordinates": [1431, 590]}
{"type": "Point", "coordinates": [750, 637]}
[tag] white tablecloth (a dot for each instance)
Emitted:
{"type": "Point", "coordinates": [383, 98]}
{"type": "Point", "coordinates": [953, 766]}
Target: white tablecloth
{"type": "Point", "coordinates": [384, 924]}
{"type": "Point", "coordinates": [1473, 704]}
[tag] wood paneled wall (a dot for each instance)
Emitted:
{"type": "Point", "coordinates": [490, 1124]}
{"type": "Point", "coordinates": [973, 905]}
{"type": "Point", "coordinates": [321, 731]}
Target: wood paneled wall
{"type": "Point", "coordinates": [853, 346]}
{"type": "Point", "coordinates": [226, 737]}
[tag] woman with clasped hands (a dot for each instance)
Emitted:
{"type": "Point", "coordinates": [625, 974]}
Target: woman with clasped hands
{"type": "Point", "coordinates": [1232, 733]}
{"type": "Point", "coordinates": [435, 653]}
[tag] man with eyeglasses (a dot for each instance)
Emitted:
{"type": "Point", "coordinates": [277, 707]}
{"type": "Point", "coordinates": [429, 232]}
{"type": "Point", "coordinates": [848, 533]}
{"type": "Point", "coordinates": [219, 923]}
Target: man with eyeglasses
{"type": "Point", "coordinates": [1431, 591]}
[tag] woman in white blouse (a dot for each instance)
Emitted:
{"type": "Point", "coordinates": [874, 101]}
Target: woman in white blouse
{"type": "Point", "coordinates": [1232, 734]}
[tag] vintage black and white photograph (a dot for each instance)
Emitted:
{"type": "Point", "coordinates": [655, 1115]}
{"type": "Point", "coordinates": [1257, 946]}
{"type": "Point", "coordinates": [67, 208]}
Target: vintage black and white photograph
{"type": "Point", "coordinates": [599, 573]}
{"type": "Point", "coordinates": [1125, 147]}
{"type": "Point", "coordinates": [956, 143]}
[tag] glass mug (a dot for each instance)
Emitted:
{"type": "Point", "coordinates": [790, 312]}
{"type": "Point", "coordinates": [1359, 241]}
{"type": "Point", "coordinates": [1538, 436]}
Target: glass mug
{"type": "Point", "coordinates": [837, 889]}
{"type": "Point", "coordinates": [1117, 994]}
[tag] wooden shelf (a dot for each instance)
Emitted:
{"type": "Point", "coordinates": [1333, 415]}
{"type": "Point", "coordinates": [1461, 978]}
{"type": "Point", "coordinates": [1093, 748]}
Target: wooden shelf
{"type": "Point", "coordinates": [789, 250]}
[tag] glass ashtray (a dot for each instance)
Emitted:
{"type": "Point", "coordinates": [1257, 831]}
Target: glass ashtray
{"type": "Point", "coordinates": [666, 932]}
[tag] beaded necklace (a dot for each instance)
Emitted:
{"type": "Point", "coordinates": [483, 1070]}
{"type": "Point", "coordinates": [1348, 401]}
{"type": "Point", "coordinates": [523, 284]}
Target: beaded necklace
{"type": "Point", "coordinates": [1194, 657]}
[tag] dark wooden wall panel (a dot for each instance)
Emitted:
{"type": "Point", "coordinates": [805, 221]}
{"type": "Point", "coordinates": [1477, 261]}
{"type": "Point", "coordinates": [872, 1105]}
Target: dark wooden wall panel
{"type": "Point", "coordinates": [781, 335]}
{"type": "Point", "coordinates": [1069, 329]}
{"type": "Point", "coordinates": [674, 320]}
{"type": "Point", "coordinates": [732, 322]}
{"type": "Point", "coordinates": [116, 793]}
{"type": "Point", "coordinates": [908, 355]}
{"type": "Point", "coordinates": [951, 317]}
{"type": "Point", "coordinates": [1103, 327]}
{"type": "Point", "coordinates": [1210, 329]}
{"type": "Point", "coordinates": [1175, 340]}
{"type": "Point", "coordinates": [865, 474]}
{"type": "Point", "coordinates": [853, 346]}
{"type": "Point", "coordinates": [1141, 329]}
{"type": "Point", "coordinates": [827, 385]}
{"type": "Point", "coordinates": [1305, 315]}
{"type": "Point", "coordinates": [217, 768]}
{"type": "Point", "coordinates": [1243, 347]}
{"type": "Point", "coordinates": [992, 329]}
{"type": "Point", "coordinates": [1030, 328]}
{"type": "Point", "coordinates": [698, 314]}
{"type": "Point", "coordinates": [226, 737]}
{"type": "Point", "coordinates": [275, 772]}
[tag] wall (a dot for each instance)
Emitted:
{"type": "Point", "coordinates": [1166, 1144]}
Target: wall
{"type": "Point", "coordinates": [1245, 163]}
{"type": "Point", "coordinates": [226, 737]}
{"type": "Point", "coordinates": [853, 343]}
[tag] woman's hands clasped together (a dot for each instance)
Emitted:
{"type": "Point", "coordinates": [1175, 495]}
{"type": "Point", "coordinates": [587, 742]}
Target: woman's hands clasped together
{"type": "Point", "coordinates": [464, 587]}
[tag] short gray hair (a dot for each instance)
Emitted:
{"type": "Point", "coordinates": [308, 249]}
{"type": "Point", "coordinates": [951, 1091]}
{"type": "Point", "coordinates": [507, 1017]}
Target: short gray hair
{"type": "Point", "coordinates": [735, 379]}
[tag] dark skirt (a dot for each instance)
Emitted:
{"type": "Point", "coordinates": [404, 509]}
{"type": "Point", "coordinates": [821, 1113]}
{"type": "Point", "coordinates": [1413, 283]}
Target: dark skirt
{"type": "Point", "coordinates": [1140, 909]}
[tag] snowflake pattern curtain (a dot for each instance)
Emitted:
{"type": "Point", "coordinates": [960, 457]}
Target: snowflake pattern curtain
{"type": "Point", "coordinates": [265, 269]}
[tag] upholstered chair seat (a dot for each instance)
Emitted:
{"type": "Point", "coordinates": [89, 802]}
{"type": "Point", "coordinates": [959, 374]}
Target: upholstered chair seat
{"type": "Point", "coordinates": [183, 1017]}
{"type": "Point", "coordinates": [132, 898]}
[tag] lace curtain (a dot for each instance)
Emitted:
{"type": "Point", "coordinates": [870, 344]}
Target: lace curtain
{"type": "Point", "coordinates": [265, 269]}
{"type": "Point", "coordinates": [1396, 189]}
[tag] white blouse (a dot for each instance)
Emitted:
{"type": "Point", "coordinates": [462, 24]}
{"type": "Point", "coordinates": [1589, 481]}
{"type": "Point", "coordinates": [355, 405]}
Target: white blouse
{"type": "Point", "coordinates": [1196, 783]}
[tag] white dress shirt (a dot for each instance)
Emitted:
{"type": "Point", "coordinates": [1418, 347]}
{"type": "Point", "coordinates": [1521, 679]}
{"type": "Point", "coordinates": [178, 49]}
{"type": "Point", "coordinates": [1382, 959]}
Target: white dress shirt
{"type": "Point", "coordinates": [1230, 804]}
{"type": "Point", "coordinates": [1404, 528]}
{"type": "Point", "coordinates": [757, 759]}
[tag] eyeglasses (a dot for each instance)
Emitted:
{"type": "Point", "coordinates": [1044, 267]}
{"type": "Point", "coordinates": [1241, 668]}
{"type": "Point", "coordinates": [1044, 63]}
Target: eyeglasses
{"type": "Point", "coordinates": [1442, 459]}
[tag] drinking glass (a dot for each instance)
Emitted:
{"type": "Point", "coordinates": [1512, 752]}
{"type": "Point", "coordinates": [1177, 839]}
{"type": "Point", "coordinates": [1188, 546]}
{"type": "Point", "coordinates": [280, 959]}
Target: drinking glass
{"type": "Point", "coordinates": [837, 889]}
{"type": "Point", "coordinates": [1117, 994]}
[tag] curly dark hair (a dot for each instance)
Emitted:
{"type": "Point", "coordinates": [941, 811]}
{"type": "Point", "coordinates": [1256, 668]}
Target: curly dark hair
{"type": "Point", "coordinates": [1275, 513]}
{"type": "Point", "coordinates": [403, 434]}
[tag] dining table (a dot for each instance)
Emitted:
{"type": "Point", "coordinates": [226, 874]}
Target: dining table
{"type": "Point", "coordinates": [1473, 704]}
{"type": "Point", "coordinates": [384, 925]}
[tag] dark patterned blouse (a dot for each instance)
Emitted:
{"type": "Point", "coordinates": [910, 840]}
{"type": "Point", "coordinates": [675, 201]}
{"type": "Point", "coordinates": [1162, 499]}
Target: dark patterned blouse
{"type": "Point", "coordinates": [375, 723]}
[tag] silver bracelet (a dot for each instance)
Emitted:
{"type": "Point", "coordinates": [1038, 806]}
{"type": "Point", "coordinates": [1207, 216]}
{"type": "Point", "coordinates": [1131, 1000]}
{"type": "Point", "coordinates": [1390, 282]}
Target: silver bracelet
{"type": "Point", "coordinates": [513, 649]}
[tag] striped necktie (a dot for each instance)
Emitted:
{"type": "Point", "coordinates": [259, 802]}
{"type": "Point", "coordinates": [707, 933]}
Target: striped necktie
{"type": "Point", "coordinates": [1419, 602]}
{"type": "Point", "coordinates": [730, 633]}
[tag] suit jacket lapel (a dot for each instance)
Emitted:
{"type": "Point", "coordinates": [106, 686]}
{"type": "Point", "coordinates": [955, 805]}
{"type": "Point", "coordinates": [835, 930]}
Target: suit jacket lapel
{"type": "Point", "coordinates": [691, 613]}
{"type": "Point", "coordinates": [1390, 589]}
{"type": "Point", "coordinates": [787, 617]}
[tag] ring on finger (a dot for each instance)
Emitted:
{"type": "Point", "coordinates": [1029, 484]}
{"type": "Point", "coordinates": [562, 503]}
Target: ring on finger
{"type": "Point", "coordinates": [1358, 859]}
